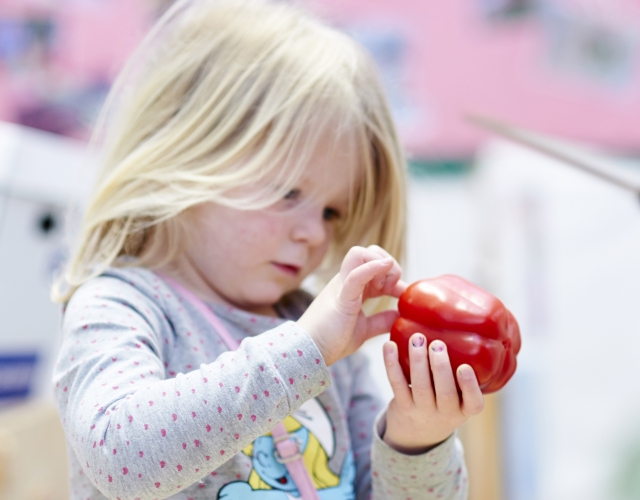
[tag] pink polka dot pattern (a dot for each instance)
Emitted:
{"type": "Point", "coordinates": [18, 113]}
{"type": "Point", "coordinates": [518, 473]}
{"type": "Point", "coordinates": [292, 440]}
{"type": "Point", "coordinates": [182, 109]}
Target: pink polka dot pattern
{"type": "Point", "coordinates": [152, 403]}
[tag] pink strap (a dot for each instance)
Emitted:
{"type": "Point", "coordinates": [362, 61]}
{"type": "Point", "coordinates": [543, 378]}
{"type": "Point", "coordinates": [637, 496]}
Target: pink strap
{"type": "Point", "coordinates": [286, 444]}
{"type": "Point", "coordinates": [213, 320]}
{"type": "Point", "coordinates": [289, 450]}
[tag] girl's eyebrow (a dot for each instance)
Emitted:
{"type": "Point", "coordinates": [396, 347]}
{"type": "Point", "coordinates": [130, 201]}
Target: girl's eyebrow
{"type": "Point", "coordinates": [292, 192]}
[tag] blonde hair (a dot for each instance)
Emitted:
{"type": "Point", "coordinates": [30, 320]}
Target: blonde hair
{"type": "Point", "coordinates": [226, 93]}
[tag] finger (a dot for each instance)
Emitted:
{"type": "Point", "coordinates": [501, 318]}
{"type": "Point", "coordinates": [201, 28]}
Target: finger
{"type": "Point", "coordinates": [398, 289]}
{"type": "Point", "coordinates": [384, 284]}
{"type": "Point", "coordinates": [358, 278]}
{"type": "Point", "coordinates": [380, 323]}
{"type": "Point", "coordinates": [356, 256]}
{"type": "Point", "coordinates": [472, 398]}
{"type": "Point", "coordinates": [359, 255]}
{"type": "Point", "coordinates": [389, 281]}
{"type": "Point", "coordinates": [379, 250]}
{"type": "Point", "coordinates": [399, 386]}
{"type": "Point", "coordinates": [447, 398]}
{"type": "Point", "coordinates": [421, 386]}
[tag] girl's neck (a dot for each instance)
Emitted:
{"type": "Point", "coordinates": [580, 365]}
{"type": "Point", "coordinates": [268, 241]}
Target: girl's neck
{"type": "Point", "coordinates": [188, 276]}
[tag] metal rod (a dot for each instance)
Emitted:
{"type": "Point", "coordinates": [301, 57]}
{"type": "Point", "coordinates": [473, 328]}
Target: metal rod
{"type": "Point", "coordinates": [525, 138]}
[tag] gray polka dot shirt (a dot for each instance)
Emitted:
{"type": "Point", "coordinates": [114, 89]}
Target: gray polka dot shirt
{"type": "Point", "coordinates": [155, 406]}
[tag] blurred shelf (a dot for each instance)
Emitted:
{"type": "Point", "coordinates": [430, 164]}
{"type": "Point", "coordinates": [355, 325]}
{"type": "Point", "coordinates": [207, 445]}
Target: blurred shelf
{"type": "Point", "coordinates": [481, 439]}
{"type": "Point", "coordinates": [33, 459]}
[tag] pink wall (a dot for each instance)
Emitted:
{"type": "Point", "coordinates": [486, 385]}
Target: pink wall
{"type": "Point", "coordinates": [65, 81]}
{"type": "Point", "coordinates": [461, 62]}
{"type": "Point", "coordinates": [454, 61]}
{"type": "Point", "coordinates": [100, 35]}
{"type": "Point", "coordinates": [93, 36]}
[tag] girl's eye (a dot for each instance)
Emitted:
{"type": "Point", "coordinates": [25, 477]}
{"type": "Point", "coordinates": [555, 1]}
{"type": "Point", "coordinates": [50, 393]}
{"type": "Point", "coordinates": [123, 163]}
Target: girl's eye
{"type": "Point", "coordinates": [330, 214]}
{"type": "Point", "coordinates": [294, 194]}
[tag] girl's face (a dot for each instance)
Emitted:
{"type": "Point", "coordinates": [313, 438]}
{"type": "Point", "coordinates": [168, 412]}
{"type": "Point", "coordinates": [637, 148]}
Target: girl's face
{"type": "Point", "coordinates": [251, 258]}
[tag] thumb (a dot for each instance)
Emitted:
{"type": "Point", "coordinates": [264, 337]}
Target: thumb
{"type": "Point", "coordinates": [380, 323]}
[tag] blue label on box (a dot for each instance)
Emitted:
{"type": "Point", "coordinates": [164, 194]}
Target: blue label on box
{"type": "Point", "coordinates": [16, 374]}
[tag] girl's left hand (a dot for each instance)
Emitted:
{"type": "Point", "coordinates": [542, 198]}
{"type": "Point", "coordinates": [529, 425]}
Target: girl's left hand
{"type": "Point", "coordinates": [423, 415]}
{"type": "Point", "coordinates": [335, 320]}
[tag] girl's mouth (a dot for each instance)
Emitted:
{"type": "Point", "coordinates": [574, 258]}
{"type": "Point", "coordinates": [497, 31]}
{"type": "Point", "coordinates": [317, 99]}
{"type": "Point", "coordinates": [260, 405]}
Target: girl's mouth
{"type": "Point", "coordinates": [288, 269]}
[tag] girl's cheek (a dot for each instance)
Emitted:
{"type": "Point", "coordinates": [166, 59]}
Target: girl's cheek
{"type": "Point", "coordinates": [266, 227]}
{"type": "Point", "coordinates": [319, 254]}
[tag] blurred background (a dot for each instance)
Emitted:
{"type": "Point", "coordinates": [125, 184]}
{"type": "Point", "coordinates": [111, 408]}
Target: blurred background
{"type": "Point", "coordinates": [559, 247]}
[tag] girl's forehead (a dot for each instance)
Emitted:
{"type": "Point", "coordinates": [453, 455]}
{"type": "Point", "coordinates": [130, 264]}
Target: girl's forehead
{"type": "Point", "coordinates": [334, 165]}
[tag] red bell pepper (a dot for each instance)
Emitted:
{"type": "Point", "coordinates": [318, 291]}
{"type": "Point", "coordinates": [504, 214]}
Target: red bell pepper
{"type": "Point", "coordinates": [476, 327]}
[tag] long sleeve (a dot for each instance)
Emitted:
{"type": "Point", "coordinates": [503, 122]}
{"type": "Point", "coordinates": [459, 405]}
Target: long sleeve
{"type": "Point", "coordinates": [137, 431]}
{"type": "Point", "coordinates": [384, 473]}
{"type": "Point", "coordinates": [437, 474]}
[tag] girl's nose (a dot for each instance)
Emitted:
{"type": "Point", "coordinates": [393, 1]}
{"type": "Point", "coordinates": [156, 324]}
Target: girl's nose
{"type": "Point", "coordinates": [310, 227]}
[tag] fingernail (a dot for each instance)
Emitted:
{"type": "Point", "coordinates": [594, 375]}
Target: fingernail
{"type": "Point", "coordinates": [388, 348]}
{"type": "Point", "coordinates": [437, 346]}
{"type": "Point", "coordinates": [465, 371]}
{"type": "Point", "coordinates": [417, 341]}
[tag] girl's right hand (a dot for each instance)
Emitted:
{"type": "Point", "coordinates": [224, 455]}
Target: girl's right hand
{"type": "Point", "coordinates": [335, 320]}
{"type": "Point", "coordinates": [421, 416]}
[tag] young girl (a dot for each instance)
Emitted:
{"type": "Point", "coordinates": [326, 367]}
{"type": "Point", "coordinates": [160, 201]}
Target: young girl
{"type": "Point", "coordinates": [253, 149]}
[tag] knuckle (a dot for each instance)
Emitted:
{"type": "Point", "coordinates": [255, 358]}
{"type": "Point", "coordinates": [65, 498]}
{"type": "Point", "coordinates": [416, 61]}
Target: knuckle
{"type": "Point", "coordinates": [421, 389]}
{"type": "Point", "coordinates": [440, 364]}
{"type": "Point", "coordinates": [447, 396]}
{"type": "Point", "coordinates": [349, 278]}
{"type": "Point", "coordinates": [355, 254]}
{"type": "Point", "coordinates": [470, 412]}
{"type": "Point", "coordinates": [362, 253]}
{"type": "Point", "coordinates": [474, 408]}
{"type": "Point", "coordinates": [478, 407]}
{"type": "Point", "coordinates": [396, 383]}
{"type": "Point", "coordinates": [414, 354]}
{"type": "Point", "coordinates": [416, 361]}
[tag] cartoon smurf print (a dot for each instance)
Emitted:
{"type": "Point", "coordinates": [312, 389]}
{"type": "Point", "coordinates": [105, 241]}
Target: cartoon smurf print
{"type": "Point", "coordinates": [270, 480]}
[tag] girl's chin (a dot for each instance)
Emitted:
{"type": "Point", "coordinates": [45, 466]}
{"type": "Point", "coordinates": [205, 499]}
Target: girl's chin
{"type": "Point", "coordinates": [263, 303]}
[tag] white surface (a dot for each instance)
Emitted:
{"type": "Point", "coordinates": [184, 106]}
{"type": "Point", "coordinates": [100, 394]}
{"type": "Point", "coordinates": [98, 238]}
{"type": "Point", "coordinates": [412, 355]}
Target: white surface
{"type": "Point", "coordinates": [43, 167]}
{"type": "Point", "coordinates": [40, 174]}
{"type": "Point", "coordinates": [563, 250]}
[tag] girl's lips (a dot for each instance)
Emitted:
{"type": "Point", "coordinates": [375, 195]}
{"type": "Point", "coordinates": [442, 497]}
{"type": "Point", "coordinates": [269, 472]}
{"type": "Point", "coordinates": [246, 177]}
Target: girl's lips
{"type": "Point", "coordinates": [287, 268]}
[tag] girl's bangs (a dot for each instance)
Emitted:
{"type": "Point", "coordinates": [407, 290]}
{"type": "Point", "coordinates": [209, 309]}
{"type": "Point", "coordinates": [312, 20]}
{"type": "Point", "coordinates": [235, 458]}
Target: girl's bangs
{"type": "Point", "coordinates": [278, 161]}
